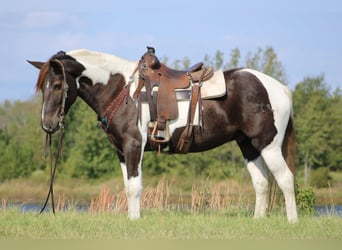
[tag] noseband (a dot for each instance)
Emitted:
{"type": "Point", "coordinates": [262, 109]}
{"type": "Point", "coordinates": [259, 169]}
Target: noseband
{"type": "Point", "coordinates": [61, 115]}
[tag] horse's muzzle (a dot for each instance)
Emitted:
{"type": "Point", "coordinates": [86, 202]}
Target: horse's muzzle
{"type": "Point", "coordinates": [50, 128]}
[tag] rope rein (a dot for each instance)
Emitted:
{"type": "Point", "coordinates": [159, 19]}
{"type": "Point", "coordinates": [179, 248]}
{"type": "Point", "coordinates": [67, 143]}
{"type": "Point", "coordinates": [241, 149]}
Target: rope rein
{"type": "Point", "coordinates": [53, 168]}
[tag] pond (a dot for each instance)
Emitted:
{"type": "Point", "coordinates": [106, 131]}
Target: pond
{"type": "Point", "coordinates": [321, 209]}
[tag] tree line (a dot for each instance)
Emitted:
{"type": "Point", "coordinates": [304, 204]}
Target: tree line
{"type": "Point", "coordinates": [88, 154]}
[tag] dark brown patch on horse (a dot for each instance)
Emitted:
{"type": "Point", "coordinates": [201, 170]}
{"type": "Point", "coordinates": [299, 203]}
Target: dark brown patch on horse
{"type": "Point", "coordinates": [289, 146]}
{"type": "Point", "coordinates": [256, 114]}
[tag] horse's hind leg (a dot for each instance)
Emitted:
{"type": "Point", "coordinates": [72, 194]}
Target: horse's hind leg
{"type": "Point", "coordinates": [260, 182]}
{"type": "Point", "coordinates": [258, 172]}
{"type": "Point", "coordinates": [274, 159]}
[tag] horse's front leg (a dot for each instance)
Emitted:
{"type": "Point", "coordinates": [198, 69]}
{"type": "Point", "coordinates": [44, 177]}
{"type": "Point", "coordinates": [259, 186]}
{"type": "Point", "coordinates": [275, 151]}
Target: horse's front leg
{"type": "Point", "coordinates": [131, 163]}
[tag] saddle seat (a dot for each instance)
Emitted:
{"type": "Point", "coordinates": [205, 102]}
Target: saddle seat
{"type": "Point", "coordinates": [181, 78]}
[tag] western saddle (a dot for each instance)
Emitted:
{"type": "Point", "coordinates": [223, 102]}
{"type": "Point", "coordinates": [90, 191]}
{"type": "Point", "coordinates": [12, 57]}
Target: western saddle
{"type": "Point", "coordinates": [163, 102]}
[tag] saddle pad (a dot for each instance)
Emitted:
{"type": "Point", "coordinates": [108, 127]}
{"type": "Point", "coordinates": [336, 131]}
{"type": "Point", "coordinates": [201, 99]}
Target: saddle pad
{"type": "Point", "coordinates": [213, 88]}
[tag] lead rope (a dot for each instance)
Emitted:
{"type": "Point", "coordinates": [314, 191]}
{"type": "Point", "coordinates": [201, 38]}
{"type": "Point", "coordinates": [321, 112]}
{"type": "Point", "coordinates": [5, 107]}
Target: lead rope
{"type": "Point", "coordinates": [53, 168]}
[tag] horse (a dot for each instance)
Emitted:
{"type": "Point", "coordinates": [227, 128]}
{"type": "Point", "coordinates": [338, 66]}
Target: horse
{"type": "Point", "coordinates": [255, 111]}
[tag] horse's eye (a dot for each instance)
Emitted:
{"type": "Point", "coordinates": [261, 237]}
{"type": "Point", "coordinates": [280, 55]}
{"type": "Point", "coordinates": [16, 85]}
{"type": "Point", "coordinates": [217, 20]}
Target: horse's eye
{"type": "Point", "coordinates": [57, 85]}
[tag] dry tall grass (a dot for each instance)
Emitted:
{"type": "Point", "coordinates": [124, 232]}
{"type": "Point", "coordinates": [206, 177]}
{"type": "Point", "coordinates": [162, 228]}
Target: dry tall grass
{"type": "Point", "coordinates": [208, 195]}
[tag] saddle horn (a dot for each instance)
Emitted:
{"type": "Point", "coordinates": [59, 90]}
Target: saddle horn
{"type": "Point", "coordinates": [151, 50]}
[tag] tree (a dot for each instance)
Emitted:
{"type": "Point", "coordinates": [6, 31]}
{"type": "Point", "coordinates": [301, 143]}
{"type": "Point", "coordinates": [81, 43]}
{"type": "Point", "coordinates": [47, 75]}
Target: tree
{"type": "Point", "coordinates": [234, 59]}
{"type": "Point", "coordinates": [317, 119]}
{"type": "Point", "coordinates": [89, 153]}
{"type": "Point", "coordinates": [219, 57]}
{"type": "Point", "coordinates": [334, 110]}
{"type": "Point", "coordinates": [267, 62]}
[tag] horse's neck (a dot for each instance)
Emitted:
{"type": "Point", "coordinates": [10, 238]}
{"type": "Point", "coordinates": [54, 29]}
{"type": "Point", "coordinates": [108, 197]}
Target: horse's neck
{"type": "Point", "coordinates": [97, 97]}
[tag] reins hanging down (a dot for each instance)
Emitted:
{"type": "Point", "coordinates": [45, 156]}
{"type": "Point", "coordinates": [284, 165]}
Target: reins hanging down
{"type": "Point", "coordinates": [53, 168]}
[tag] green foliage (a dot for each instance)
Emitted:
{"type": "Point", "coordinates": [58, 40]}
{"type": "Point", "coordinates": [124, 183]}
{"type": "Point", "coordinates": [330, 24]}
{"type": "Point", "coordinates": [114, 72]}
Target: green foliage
{"type": "Point", "coordinates": [320, 177]}
{"type": "Point", "coordinates": [305, 199]}
{"type": "Point", "coordinates": [317, 121]}
{"type": "Point", "coordinates": [234, 59]}
{"type": "Point", "coordinates": [218, 163]}
{"type": "Point", "coordinates": [90, 155]}
{"type": "Point", "coordinates": [266, 61]}
{"type": "Point", "coordinates": [19, 139]}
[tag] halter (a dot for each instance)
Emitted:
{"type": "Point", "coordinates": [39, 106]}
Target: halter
{"type": "Point", "coordinates": [64, 94]}
{"type": "Point", "coordinates": [48, 140]}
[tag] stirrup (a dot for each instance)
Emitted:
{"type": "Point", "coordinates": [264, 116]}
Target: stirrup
{"type": "Point", "coordinates": [158, 139]}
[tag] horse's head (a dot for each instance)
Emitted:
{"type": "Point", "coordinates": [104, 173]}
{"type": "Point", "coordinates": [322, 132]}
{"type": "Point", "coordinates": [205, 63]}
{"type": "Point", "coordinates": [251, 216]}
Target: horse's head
{"type": "Point", "coordinates": [57, 83]}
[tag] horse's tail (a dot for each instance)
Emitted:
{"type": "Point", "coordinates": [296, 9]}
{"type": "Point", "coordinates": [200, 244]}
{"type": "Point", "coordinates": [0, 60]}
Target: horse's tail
{"type": "Point", "coordinates": [289, 143]}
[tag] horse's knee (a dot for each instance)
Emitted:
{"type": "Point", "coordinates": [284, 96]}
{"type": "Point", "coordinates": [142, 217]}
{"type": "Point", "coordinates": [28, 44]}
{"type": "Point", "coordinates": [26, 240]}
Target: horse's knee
{"type": "Point", "coordinates": [134, 187]}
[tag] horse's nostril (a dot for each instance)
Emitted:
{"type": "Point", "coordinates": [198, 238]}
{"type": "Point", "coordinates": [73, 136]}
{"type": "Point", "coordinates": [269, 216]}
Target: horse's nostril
{"type": "Point", "coordinates": [47, 127]}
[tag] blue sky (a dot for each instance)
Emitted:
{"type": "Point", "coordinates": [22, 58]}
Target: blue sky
{"type": "Point", "coordinates": [305, 34]}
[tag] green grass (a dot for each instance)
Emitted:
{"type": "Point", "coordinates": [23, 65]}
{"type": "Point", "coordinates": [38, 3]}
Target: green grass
{"type": "Point", "coordinates": [165, 224]}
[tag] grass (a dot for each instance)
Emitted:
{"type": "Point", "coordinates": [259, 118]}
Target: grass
{"type": "Point", "coordinates": [167, 224]}
{"type": "Point", "coordinates": [202, 210]}
{"type": "Point", "coordinates": [209, 210]}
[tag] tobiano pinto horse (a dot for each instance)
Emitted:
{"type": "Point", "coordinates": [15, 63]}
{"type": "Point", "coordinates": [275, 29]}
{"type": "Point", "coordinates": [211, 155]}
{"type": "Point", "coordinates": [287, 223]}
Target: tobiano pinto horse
{"type": "Point", "coordinates": [255, 111]}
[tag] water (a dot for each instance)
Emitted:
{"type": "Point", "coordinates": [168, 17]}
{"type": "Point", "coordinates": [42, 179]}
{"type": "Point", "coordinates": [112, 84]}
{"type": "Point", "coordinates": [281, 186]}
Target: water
{"type": "Point", "coordinates": [329, 210]}
{"type": "Point", "coordinates": [322, 210]}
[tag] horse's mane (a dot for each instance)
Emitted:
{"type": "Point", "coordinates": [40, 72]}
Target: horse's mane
{"type": "Point", "coordinates": [42, 74]}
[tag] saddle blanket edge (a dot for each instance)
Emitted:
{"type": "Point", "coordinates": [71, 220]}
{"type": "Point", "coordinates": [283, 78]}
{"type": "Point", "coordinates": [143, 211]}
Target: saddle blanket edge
{"type": "Point", "coordinates": [214, 87]}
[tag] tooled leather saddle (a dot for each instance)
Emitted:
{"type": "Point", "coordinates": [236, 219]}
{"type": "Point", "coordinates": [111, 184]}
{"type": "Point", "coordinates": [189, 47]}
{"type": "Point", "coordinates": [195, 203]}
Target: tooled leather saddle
{"type": "Point", "coordinates": [163, 102]}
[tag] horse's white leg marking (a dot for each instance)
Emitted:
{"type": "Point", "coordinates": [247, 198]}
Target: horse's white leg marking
{"type": "Point", "coordinates": [134, 185]}
{"type": "Point", "coordinates": [259, 177]}
{"type": "Point", "coordinates": [274, 159]}
{"type": "Point", "coordinates": [133, 188]}
{"type": "Point", "coordinates": [124, 173]}
{"type": "Point", "coordinates": [133, 192]}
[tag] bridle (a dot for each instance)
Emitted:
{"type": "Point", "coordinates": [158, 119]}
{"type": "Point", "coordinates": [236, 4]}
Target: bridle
{"type": "Point", "coordinates": [61, 115]}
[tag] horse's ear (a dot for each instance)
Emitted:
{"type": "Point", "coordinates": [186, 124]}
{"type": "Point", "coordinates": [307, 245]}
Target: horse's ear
{"type": "Point", "coordinates": [36, 64]}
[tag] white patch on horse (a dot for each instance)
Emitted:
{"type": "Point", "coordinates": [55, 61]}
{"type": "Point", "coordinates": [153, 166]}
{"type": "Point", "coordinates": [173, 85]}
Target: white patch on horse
{"type": "Point", "coordinates": [99, 66]}
{"type": "Point", "coordinates": [183, 107]}
{"type": "Point", "coordinates": [43, 111]}
{"type": "Point", "coordinates": [47, 84]}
